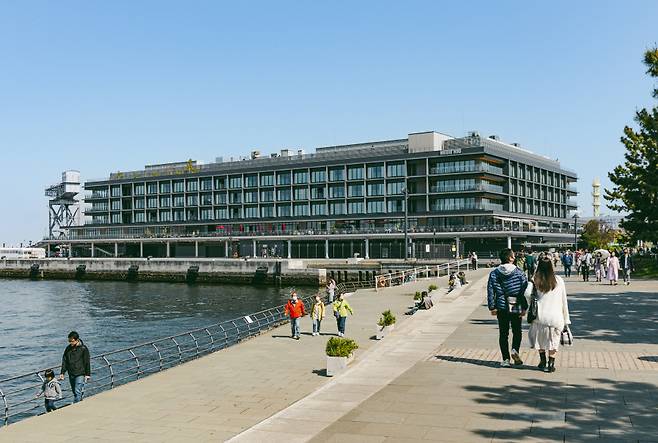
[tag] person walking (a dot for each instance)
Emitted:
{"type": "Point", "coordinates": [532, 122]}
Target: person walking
{"type": "Point", "coordinates": [76, 362]}
{"type": "Point", "coordinates": [613, 268]}
{"type": "Point", "coordinates": [505, 289]}
{"type": "Point", "coordinates": [567, 262]}
{"type": "Point", "coordinates": [626, 263]}
{"type": "Point", "coordinates": [552, 314]}
{"type": "Point", "coordinates": [51, 390]}
{"type": "Point", "coordinates": [341, 309]}
{"type": "Point", "coordinates": [585, 264]}
{"type": "Point", "coordinates": [598, 266]}
{"type": "Point", "coordinates": [295, 309]}
{"type": "Point", "coordinates": [317, 314]}
{"type": "Point", "coordinates": [474, 261]}
{"type": "Point", "coordinates": [530, 263]}
{"type": "Point", "coordinates": [331, 289]}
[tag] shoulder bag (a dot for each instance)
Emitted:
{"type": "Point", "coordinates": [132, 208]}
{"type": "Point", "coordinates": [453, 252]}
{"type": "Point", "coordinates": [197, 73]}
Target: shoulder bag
{"type": "Point", "coordinates": [532, 310]}
{"type": "Point", "coordinates": [566, 338]}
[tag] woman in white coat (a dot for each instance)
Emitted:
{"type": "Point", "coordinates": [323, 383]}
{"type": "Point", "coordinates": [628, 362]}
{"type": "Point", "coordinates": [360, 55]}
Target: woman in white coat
{"type": "Point", "coordinates": [552, 313]}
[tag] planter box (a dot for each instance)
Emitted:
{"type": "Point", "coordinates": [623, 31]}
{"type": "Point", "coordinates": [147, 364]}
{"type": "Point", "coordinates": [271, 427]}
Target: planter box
{"type": "Point", "coordinates": [383, 331]}
{"type": "Point", "coordinates": [336, 365]}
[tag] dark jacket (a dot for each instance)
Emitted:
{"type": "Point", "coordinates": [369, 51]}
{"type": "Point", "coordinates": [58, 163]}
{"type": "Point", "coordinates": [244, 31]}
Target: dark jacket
{"type": "Point", "coordinates": [567, 260]}
{"type": "Point", "coordinates": [75, 360]}
{"type": "Point", "coordinates": [506, 281]}
{"type": "Point", "coordinates": [623, 264]}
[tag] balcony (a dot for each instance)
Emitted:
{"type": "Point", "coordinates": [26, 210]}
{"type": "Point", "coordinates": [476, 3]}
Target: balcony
{"type": "Point", "coordinates": [480, 167]}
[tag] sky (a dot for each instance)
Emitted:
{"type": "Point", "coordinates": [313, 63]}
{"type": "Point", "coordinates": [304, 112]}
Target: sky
{"type": "Point", "coordinates": [111, 86]}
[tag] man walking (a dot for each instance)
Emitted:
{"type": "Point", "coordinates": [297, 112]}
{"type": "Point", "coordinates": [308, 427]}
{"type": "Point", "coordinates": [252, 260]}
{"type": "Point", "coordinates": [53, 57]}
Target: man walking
{"type": "Point", "coordinates": [585, 264]}
{"type": "Point", "coordinates": [296, 310]}
{"type": "Point", "coordinates": [530, 264]}
{"type": "Point", "coordinates": [567, 262]}
{"type": "Point", "coordinates": [506, 300]}
{"type": "Point", "coordinates": [76, 362]}
{"type": "Point", "coordinates": [627, 265]}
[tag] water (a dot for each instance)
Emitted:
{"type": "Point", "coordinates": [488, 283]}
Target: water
{"type": "Point", "coordinates": [36, 316]}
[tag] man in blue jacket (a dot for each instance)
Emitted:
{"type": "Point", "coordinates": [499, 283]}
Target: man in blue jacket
{"type": "Point", "coordinates": [506, 300]}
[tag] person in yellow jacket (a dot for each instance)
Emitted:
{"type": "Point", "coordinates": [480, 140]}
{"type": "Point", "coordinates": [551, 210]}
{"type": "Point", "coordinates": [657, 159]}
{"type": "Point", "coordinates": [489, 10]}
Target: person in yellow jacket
{"type": "Point", "coordinates": [317, 314]}
{"type": "Point", "coordinates": [341, 309]}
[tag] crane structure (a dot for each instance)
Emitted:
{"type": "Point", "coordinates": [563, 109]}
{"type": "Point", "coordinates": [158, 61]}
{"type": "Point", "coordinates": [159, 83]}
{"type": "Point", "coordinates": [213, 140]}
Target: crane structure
{"type": "Point", "coordinates": [63, 207]}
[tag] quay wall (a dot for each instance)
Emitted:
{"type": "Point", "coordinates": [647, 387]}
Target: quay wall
{"type": "Point", "coordinates": [167, 270]}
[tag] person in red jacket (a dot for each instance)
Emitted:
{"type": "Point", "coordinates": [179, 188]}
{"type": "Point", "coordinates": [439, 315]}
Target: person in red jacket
{"type": "Point", "coordinates": [296, 310]}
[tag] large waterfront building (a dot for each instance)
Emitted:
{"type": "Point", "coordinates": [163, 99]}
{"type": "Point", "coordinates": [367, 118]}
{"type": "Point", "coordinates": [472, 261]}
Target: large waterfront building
{"type": "Point", "coordinates": [470, 193]}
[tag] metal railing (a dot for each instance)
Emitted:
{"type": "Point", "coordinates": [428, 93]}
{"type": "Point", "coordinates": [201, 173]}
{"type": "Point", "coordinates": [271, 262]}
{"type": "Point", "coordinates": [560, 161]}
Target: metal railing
{"type": "Point", "coordinates": [115, 368]}
{"type": "Point", "coordinates": [398, 278]}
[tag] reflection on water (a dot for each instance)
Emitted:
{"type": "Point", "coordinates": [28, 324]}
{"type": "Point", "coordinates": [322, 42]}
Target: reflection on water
{"type": "Point", "coordinates": [36, 316]}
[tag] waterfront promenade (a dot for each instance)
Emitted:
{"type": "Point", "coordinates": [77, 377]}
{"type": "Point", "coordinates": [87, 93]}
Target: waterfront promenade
{"type": "Point", "coordinates": [435, 378]}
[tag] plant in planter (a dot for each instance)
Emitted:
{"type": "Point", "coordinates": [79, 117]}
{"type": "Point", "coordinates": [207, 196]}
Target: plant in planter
{"type": "Point", "coordinates": [432, 287]}
{"type": "Point", "coordinates": [385, 324]}
{"type": "Point", "coordinates": [339, 354]}
{"type": "Point", "coordinates": [418, 295]}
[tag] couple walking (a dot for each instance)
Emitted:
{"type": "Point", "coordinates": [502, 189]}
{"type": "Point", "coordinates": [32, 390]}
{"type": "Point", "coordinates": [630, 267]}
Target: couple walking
{"type": "Point", "coordinates": [508, 292]}
{"type": "Point", "coordinates": [295, 309]}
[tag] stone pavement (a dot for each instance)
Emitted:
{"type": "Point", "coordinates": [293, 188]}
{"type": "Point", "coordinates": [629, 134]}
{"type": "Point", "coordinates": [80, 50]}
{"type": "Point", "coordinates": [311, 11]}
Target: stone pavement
{"type": "Point", "coordinates": [605, 388]}
{"type": "Point", "coordinates": [220, 395]}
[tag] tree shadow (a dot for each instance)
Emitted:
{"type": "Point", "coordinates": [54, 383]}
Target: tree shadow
{"type": "Point", "coordinates": [320, 372]}
{"type": "Point", "coordinates": [627, 317]}
{"type": "Point", "coordinates": [482, 321]}
{"type": "Point", "coordinates": [649, 358]}
{"type": "Point", "coordinates": [551, 410]}
{"type": "Point", "coordinates": [478, 362]}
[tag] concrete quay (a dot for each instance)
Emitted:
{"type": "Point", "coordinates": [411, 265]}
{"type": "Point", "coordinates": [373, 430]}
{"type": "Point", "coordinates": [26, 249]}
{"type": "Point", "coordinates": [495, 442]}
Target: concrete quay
{"type": "Point", "coordinates": [435, 378]}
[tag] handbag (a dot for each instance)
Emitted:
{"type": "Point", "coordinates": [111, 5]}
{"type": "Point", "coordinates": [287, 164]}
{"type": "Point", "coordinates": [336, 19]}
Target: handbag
{"type": "Point", "coordinates": [566, 337]}
{"type": "Point", "coordinates": [532, 309]}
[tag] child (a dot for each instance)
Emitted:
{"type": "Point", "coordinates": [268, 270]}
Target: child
{"type": "Point", "coordinates": [317, 314]}
{"type": "Point", "coordinates": [51, 390]}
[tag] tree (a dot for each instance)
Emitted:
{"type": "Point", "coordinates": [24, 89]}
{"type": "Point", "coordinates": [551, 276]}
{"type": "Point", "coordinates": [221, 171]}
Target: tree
{"type": "Point", "coordinates": [598, 235]}
{"type": "Point", "coordinates": [635, 181]}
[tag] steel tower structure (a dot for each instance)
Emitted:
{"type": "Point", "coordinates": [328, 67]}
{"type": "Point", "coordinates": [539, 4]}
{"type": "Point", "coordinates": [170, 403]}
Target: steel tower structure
{"type": "Point", "coordinates": [63, 208]}
{"type": "Point", "coordinates": [596, 197]}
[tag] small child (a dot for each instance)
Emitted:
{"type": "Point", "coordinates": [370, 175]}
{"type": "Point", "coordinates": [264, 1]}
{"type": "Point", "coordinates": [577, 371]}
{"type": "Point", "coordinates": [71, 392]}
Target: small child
{"type": "Point", "coordinates": [51, 390]}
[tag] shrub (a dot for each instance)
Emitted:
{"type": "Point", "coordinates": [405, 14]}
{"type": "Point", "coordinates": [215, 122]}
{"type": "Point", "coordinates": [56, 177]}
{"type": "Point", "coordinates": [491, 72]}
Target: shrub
{"type": "Point", "coordinates": [340, 347]}
{"type": "Point", "coordinates": [387, 318]}
{"type": "Point", "coordinates": [418, 295]}
{"type": "Point", "coordinates": [432, 287]}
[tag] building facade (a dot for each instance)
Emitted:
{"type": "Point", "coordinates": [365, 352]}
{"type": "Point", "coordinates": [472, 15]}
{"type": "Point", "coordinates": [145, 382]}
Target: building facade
{"type": "Point", "coordinates": [339, 201]}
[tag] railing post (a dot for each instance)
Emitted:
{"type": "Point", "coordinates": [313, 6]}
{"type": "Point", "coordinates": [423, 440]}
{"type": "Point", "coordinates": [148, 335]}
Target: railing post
{"type": "Point", "coordinates": [196, 343]}
{"type": "Point", "coordinates": [136, 361]}
{"type": "Point", "coordinates": [4, 401]}
{"type": "Point", "coordinates": [159, 356]}
{"type": "Point", "coordinates": [109, 366]}
{"type": "Point", "coordinates": [180, 353]}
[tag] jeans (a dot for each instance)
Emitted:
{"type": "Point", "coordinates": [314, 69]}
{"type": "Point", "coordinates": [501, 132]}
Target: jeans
{"type": "Point", "coordinates": [505, 320]}
{"type": "Point", "coordinates": [50, 405]}
{"type": "Point", "coordinates": [77, 387]}
{"type": "Point", "coordinates": [316, 325]}
{"type": "Point", "coordinates": [340, 323]}
{"type": "Point", "coordinates": [627, 275]}
{"type": "Point", "coordinates": [567, 270]}
{"type": "Point", "coordinates": [294, 326]}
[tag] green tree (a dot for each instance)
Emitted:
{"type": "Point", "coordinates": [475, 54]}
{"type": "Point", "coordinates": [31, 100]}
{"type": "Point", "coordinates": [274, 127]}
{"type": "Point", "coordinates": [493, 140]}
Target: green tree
{"type": "Point", "coordinates": [598, 235]}
{"type": "Point", "coordinates": [635, 181]}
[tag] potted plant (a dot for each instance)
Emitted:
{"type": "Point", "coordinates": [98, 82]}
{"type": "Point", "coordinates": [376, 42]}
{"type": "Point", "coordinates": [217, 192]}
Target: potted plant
{"type": "Point", "coordinates": [432, 287]}
{"type": "Point", "coordinates": [418, 296]}
{"type": "Point", "coordinates": [339, 352]}
{"type": "Point", "coordinates": [385, 324]}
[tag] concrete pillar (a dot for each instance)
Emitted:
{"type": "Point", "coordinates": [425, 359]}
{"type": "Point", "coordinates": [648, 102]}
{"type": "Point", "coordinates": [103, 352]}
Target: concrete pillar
{"type": "Point", "coordinates": [70, 250]}
{"type": "Point", "coordinates": [255, 252]}
{"type": "Point", "coordinates": [93, 250]}
{"type": "Point", "coordinates": [168, 249]}
{"type": "Point", "coordinates": [141, 249]}
{"type": "Point", "coordinates": [196, 249]}
{"type": "Point", "coordinates": [226, 248]}
{"type": "Point", "coordinates": [48, 249]}
{"type": "Point", "coordinates": [457, 244]}
{"type": "Point", "coordinates": [289, 248]}
{"type": "Point", "coordinates": [509, 242]}
{"type": "Point", "coordinates": [326, 248]}
{"type": "Point", "coordinates": [116, 249]}
{"type": "Point", "coordinates": [367, 251]}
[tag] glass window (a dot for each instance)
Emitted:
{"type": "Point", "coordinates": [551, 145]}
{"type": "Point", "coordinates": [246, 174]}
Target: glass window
{"type": "Point", "coordinates": [235, 197]}
{"type": "Point", "coordinates": [221, 213]}
{"type": "Point", "coordinates": [336, 208]}
{"type": "Point", "coordinates": [235, 182]}
{"type": "Point", "coordinates": [283, 178]}
{"type": "Point", "coordinates": [251, 211]}
{"type": "Point", "coordinates": [318, 209]}
{"type": "Point", "coordinates": [376, 206]}
{"type": "Point", "coordinates": [267, 195]}
{"type": "Point", "coordinates": [165, 201]}
{"type": "Point", "coordinates": [267, 211]}
{"type": "Point", "coordinates": [179, 185]}
{"type": "Point", "coordinates": [453, 204]}
{"type": "Point", "coordinates": [301, 209]}
{"type": "Point", "coordinates": [355, 207]}
{"type": "Point", "coordinates": [283, 210]}
{"type": "Point", "coordinates": [206, 214]}
{"type": "Point", "coordinates": [206, 199]}
{"type": "Point", "coordinates": [179, 214]}
{"type": "Point", "coordinates": [318, 175]}
{"type": "Point", "coordinates": [152, 188]}
{"type": "Point", "coordinates": [395, 170]}
{"type": "Point", "coordinates": [395, 205]}
{"type": "Point", "coordinates": [139, 188]}
{"type": "Point", "coordinates": [337, 174]}
{"type": "Point", "coordinates": [283, 194]}
{"type": "Point", "coordinates": [300, 193]}
{"type": "Point", "coordinates": [192, 200]}
{"type": "Point", "coordinates": [376, 170]}
{"type": "Point", "coordinates": [251, 196]}
{"type": "Point", "coordinates": [115, 204]}
{"type": "Point", "coordinates": [139, 203]}
{"type": "Point", "coordinates": [140, 217]}
{"type": "Point", "coordinates": [355, 172]}
{"type": "Point", "coordinates": [220, 182]}
{"type": "Point", "coordinates": [355, 190]}
{"type": "Point", "coordinates": [300, 177]}
{"type": "Point", "coordinates": [394, 188]}
{"type": "Point", "coordinates": [220, 198]}
{"type": "Point", "coordinates": [251, 181]}
{"type": "Point", "coordinates": [267, 179]}
{"type": "Point", "coordinates": [375, 189]}
{"type": "Point", "coordinates": [179, 201]}
{"type": "Point", "coordinates": [165, 216]}
{"type": "Point", "coordinates": [336, 191]}
{"type": "Point", "coordinates": [152, 202]}
{"type": "Point", "coordinates": [206, 184]}
{"type": "Point", "coordinates": [115, 191]}
{"type": "Point", "coordinates": [165, 187]}
{"type": "Point", "coordinates": [235, 213]}
{"type": "Point", "coordinates": [318, 192]}
{"type": "Point", "coordinates": [192, 185]}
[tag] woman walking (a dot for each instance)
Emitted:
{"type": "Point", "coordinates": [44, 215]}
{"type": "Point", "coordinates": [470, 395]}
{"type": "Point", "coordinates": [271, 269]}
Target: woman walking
{"type": "Point", "coordinates": [317, 314]}
{"type": "Point", "coordinates": [341, 309]}
{"type": "Point", "coordinates": [552, 314]}
{"type": "Point", "coordinates": [613, 268]}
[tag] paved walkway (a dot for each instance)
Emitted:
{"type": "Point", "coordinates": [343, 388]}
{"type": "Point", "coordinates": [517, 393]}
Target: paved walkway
{"type": "Point", "coordinates": [220, 395]}
{"type": "Point", "coordinates": [605, 388]}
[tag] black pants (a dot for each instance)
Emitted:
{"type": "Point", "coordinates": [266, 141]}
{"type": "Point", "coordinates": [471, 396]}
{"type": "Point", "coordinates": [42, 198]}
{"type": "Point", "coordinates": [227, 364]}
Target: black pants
{"type": "Point", "coordinates": [585, 270]}
{"type": "Point", "coordinates": [505, 320]}
{"type": "Point", "coordinates": [567, 270]}
{"type": "Point", "coordinates": [50, 405]}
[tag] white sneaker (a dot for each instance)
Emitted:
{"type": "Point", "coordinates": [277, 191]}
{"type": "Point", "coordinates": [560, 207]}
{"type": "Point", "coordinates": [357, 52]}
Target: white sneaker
{"type": "Point", "coordinates": [516, 357]}
{"type": "Point", "coordinates": [505, 364]}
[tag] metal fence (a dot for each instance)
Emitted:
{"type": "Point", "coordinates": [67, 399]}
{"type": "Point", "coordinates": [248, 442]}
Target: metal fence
{"type": "Point", "coordinates": [115, 368]}
{"type": "Point", "coordinates": [402, 277]}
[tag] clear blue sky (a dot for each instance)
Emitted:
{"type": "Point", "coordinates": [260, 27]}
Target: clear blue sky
{"type": "Point", "coordinates": [108, 86]}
